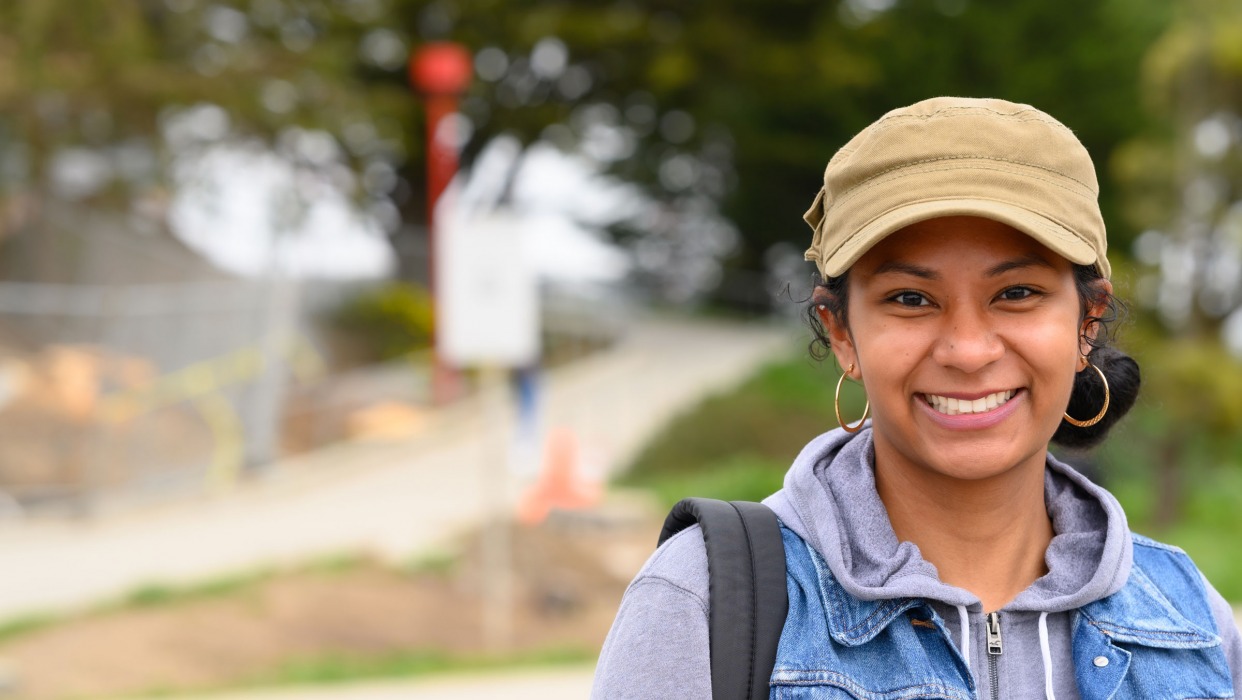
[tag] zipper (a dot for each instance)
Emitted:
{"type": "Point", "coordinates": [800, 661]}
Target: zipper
{"type": "Point", "coordinates": [993, 628]}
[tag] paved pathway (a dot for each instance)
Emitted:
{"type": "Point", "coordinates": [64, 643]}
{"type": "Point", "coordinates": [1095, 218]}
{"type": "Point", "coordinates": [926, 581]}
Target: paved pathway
{"type": "Point", "coordinates": [395, 499]}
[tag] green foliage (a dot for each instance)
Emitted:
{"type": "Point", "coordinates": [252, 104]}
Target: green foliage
{"type": "Point", "coordinates": [159, 595]}
{"type": "Point", "coordinates": [739, 478]}
{"type": "Point", "coordinates": [441, 563]}
{"type": "Point", "coordinates": [343, 668]}
{"type": "Point", "coordinates": [96, 74]}
{"type": "Point", "coordinates": [739, 444]}
{"type": "Point", "coordinates": [1175, 463]}
{"type": "Point", "coordinates": [169, 595]}
{"type": "Point", "coordinates": [22, 626]}
{"type": "Point", "coordinates": [788, 82]}
{"type": "Point", "coordinates": [774, 88]}
{"type": "Point", "coordinates": [1179, 176]}
{"type": "Point", "coordinates": [1208, 517]}
{"type": "Point", "coordinates": [392, 320]}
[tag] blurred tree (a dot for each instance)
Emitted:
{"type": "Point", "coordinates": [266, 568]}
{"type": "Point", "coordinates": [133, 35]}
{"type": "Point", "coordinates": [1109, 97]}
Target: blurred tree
{"type": "Point", "coordinates": [723, 105]}
{"type": "Point", "coordinates": [90, 92]}
{"type": "Point", "coordinates": [1185, 176]}
{"type": "Point", "coordinates": [1185, 428]}
{"type": "Point", "coordinates": [742, 103]}
{"type": "Point", "coordinates": [1183, 183]}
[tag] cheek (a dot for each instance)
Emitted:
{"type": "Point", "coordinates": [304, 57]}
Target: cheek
{"type": "Point", "coordinates": [889, 350]}
{"type": "Point", "coordinates": [1056, 332]}
{"type": "Point", "coordinates": [1052, 350]}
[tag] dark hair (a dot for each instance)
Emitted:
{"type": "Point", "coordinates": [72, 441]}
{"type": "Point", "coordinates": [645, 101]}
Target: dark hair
{"type": "Point", "coordinates": [1088, 394]}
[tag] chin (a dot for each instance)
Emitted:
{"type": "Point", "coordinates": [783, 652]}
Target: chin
{"type": "Point", "coordinates": [976, 459]}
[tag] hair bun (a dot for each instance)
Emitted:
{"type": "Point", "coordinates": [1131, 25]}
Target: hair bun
{"type": "Point", "coordinates": [1088, 395]}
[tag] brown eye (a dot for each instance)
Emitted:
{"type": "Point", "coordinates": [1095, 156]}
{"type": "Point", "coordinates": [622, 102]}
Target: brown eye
{"type": "Point", "coordinates": [910, 299]}
{"type": "Point", "coordinates": [1016, 293]}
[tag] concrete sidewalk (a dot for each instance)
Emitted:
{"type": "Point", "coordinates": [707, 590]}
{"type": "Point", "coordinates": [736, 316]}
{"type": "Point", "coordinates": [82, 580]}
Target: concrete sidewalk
{"type": "Point", "coordinates": [395, 499]}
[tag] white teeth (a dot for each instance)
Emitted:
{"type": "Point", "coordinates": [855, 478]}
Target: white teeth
{"type": "Point", "coordinates": [954, 407]}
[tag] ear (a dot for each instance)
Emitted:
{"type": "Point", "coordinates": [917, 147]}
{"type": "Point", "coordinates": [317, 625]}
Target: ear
{"type": "Point", "coordinates": [842, 342]}
{"type": "Point", "coordinates": [1088, 330]}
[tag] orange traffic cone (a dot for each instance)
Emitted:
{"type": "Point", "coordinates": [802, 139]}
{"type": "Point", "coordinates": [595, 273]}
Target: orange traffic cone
{"type": "Point", "coordinates": [558, 486]}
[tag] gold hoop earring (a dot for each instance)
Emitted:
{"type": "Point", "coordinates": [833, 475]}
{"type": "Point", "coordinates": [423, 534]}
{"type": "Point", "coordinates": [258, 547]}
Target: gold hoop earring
{"type": "Point", "coordinates": [1099, 416]}
{"type": "Point", "coordinates": [836, 404]}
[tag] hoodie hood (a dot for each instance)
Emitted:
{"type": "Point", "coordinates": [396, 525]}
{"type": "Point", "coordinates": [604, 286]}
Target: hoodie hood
{"type": "Point", "coordinates": [829, 499]}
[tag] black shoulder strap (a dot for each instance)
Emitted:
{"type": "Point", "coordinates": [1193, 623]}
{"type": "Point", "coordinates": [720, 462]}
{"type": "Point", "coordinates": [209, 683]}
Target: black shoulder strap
{"type": "Point", "coordinates": [746, 590]}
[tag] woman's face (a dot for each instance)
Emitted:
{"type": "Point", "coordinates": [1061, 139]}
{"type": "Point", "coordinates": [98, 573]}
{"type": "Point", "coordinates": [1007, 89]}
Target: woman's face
{"type": "Point", "coordinates": [966, 334]}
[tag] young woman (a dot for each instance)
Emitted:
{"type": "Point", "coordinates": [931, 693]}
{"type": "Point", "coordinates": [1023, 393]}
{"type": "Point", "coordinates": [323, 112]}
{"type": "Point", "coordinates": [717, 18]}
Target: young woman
{"type": "Point", "coordinates": [938, 550]}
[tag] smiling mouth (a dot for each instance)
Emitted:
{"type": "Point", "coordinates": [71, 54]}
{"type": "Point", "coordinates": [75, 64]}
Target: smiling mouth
{"type": "Point", "coordinates": [957, 407]}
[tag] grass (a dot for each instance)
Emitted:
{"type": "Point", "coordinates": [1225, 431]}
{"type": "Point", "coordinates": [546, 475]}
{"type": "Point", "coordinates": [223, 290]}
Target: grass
{"type": "Point", "coordinates": [161, 595]}
{"type": "Point", "coordinates": [434, 563]}
{"type": "Point", "coordinates": [158, 595]}
{"type": "Point", "coordinates": [738, 445]}
{"type": "Point", "coordinates": [341, 668]}
{"type": "Point", "coordinates": [22, 626]}
{"type": "Point", "coordinates": [314, 670]}
{"type": "Point", "coordinates": [406, 664]}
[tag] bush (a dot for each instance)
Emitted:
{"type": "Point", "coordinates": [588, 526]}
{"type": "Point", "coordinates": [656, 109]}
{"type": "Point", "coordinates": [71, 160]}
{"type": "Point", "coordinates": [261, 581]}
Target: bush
{"type": "Point", "coordinates": [738, 445]}
{"type": "Point", "coordinates": [389, 322]}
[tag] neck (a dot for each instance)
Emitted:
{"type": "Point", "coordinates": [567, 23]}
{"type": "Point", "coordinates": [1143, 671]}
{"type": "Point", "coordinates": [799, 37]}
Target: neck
{"type": "Point", "coordinates": [988, 536]}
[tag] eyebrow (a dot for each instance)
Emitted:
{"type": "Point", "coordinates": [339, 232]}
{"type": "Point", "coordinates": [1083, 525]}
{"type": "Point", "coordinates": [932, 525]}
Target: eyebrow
{"type": "Point", "coordinates": [905, 268]}
{"type": "Point", "coordinates": [1018, 264]}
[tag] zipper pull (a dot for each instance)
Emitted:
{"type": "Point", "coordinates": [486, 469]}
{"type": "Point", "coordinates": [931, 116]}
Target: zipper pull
{"type": "Point", "coordinates": [994, 633]}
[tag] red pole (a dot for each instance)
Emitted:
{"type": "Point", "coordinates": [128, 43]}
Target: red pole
{"type": "Point", "coordinates": [441, 149]}
{"type": "Point", "coordinates": [440, 72]}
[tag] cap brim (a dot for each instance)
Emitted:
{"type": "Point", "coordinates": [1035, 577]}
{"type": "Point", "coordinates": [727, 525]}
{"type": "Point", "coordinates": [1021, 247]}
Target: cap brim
{"type": "Point", "coordinates": [1059, 239]}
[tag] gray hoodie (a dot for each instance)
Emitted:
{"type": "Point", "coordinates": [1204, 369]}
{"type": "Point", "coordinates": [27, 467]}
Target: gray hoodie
{"type": "Point", "coordinates": [658, 645]}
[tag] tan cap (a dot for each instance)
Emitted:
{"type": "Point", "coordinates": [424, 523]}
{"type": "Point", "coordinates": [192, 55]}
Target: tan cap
{"type": "Point", "coordinates": [952, 156]}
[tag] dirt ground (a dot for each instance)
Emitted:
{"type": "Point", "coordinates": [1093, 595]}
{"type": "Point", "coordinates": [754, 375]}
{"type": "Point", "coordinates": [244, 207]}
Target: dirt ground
{"type": "Point", "coordinates": [569, 575]}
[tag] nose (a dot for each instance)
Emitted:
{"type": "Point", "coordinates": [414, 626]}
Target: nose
{"type": "Point", "coordinates": [968, 341]}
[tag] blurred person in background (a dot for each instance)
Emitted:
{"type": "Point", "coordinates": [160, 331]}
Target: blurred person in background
{"type": "Point", "coordinates": [938, 549]}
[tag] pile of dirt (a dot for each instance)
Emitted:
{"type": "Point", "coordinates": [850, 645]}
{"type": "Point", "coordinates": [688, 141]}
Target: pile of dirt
{"type": "Point", "coordinates": [568, 577]}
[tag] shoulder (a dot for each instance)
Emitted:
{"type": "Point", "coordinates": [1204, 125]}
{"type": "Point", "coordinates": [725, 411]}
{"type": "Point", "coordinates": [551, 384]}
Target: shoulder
{"type": "Point", "coordinates": [1170, 569]}
{"type": "Point", "coordinates": [678, 565]}
{"type": "Point", "coordinates": [1167, 566]}
{"type": "Point", "coordinates": [1222, 611]}
{"type": "Point", "coordinates": [1147, 542]}
{"type": "Point", "coordinates": [1159, 560]}
{"type": "Point", "coordinates": [658, 646]}
{"type": "Point", "coordinates": [1227, 628]}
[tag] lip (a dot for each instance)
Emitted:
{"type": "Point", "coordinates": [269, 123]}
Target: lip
{"type": "Point", "coordinates": [973, 421]}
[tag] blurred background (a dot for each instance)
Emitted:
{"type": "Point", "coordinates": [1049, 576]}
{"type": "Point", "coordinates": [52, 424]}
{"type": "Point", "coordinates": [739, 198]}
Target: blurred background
{"type": "Point", "coordinates": [232, 460]}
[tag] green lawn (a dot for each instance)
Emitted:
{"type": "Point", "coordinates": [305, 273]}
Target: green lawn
{"type": "Point", "coordinates": [737, 445]}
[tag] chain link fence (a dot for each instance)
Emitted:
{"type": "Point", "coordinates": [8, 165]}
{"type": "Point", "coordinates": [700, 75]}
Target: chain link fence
{"type": "Point", "coordinates": [143, 389]}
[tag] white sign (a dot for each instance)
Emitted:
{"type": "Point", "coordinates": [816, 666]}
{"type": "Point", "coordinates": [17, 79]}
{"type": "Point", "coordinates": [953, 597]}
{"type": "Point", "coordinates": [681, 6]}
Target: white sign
{"type": "Point", "coordinates": [487, 293]}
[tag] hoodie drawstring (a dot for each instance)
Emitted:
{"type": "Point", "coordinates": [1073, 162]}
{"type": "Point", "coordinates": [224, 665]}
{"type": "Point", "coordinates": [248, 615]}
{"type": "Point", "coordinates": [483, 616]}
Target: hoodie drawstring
{"type": "Point", "coordinates": [1044, 647]}
{"type": "Point", "coordinates": [961, 613]}
{"type": "Point", "coordinates": [1047, 655]}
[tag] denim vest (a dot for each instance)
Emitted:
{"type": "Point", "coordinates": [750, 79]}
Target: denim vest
{"type": "Point", "coordinates": [1157, 633]}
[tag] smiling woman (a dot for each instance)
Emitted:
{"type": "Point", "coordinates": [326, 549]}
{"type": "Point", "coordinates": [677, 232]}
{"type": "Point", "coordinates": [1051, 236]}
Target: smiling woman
{"type": "Point", "coordinates": [938, 549]}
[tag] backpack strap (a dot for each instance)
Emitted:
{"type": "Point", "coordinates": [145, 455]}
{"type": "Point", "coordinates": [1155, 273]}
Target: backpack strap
{"type": "Point", "coordinates": [746, 590]}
